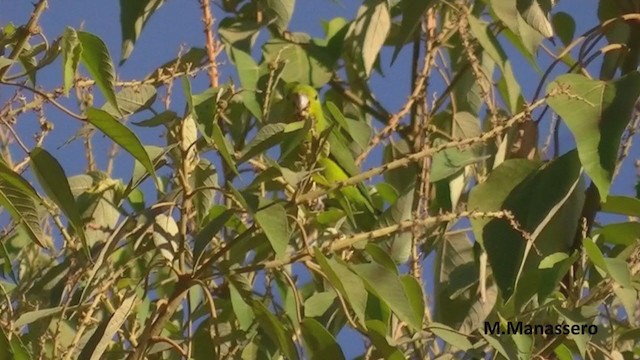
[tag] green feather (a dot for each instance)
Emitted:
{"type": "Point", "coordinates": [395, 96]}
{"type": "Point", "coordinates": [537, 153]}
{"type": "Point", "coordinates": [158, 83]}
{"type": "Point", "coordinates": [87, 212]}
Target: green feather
{"type": "Point", "coordinates": [337, 164]}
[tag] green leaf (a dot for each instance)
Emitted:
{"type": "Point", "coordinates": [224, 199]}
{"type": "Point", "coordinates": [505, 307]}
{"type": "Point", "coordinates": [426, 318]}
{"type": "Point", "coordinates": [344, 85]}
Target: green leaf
{"type": "Point", "coordinates": [524, 37]}
{"type": "Point", "coordinates": [345, 282]}
{"type": "Point", "coordinates": [306, 63]}
{"type": "Point", "coordinates": [594, 253]}
{"type": "Point", "coordinates": [524, 345]}
{"type": "Point", "coordinates": [279, 12]}
{"type": "Point", "coordinates": [502, 344]}
{"type": "Point", "coordinates": [380, 256]}
{"type": "Point", "coordinates": [204, 347]}
{"type": "Point", "coordinates": [377, 332]}
{"type": "Point", "coordinates": [319, 342]}
{"type": "Point", "coordinates": [619, 271]}
{"type": "Point", "coordinates": [33, 316]}
{"type": "Point", "coordinates": [269, 136]}
{"type": "Point", "coordinates": [122, 136]}
{"type": "Point", "coordinates": [272, 218]}
{"type": "Point", "coordinates": [204, 237]}
{"type": "Point", "coordinates": [20, 200]}
{"type": "Point", "coordinates": [249, 75]}
{"type": "Point", "coordinates": [223, 147]}
{"type": "Point", "coordinates": [12, 350]}
{"type": "Point", "coordinates": [535, 16]}
{"type": "Point", "coordinates": [28, 61]}
{"type": "Point", "coordinates": [239, 33]}
{"type": "Point", "coordinates": [4, 62]}
{"type": "Point", "coordinates": [243, 311]}
{"type": "Point", "coordinates": [449, 161]}
{"type": "Point", "coordinates": [132, 100]}
{"type": "Point", "coordinates": [563, 352]}
{"type": "Point", "coordinates": [564, 26]}
{"type": "Point", "coordinates": [205, 179]}
{"type": "Point", "coordinates": [450, 336]}
{"type": "Point", "coordinates": [623, 205]}
{"type": "Point", "coordinates": [510, 89]}
{"type": "Point", "coordinates": [140, 173]}
{"type": "Point", "coordinates": [412, 13]}
{"type": "Point", "coordinates": [546, 203]}
{"type": "Point", "coordinates": [630, 334]}
{"type": "Point", "coordinates": [597, 113]}
{"type": "Point", "coordinates": [388, 287]}
{"type": "Point", "coordinates": [317, 304]}
{"type": "Point", "coordinates": [165, 236]}
{"type": "Point", "coordinates": [95, 57]}
{"type": "Point", "coordinates": [369, 31]}
{"type": "Point", "coordinates": [627, 297]}
{"type": "Point", "coordinates": [162, 118]}
{"type": "Point", "coordinates": [487, 40]}
{"type": "Point", "coordinates": [71, 50]}
{"type": "Point", "coordinates": [54, 182]}
{"type": "Point", "coordinates": [413, 289]}
{"type": "Point", "coordinates": [578, 317]}
{"type": "Point", "coordinates": [549, 261]}
{"type": "Point", "coordinates": [6, 271]}
{"type": "Point", "coordinates": [273, 328]}
{"type": "Point", "coordinates": [625, 233]}
{"type": "Point", "coordinates": [104, 333]}
{"type": "Point", "coordinates": [490, 195]}
{"type": "Point", "coordinates": [455, 271]}
{"type": "Point", "coordinates": [133, 17]}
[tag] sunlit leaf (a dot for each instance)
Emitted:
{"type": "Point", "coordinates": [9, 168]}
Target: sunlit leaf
{"type": "Point", "coordinates": [272, 218]}
{"type": "Point", "coordinates": [132, 100]}
{"type": "Point", "coordinates": [71, 50]}
{"type": "Point", "coordinates": [243, 311]}
{"type": "Point", "coordinates": [120, 135]}
{"type": "Point", "coordinates": [369, 32]}
{"type": "Point", "coordinates": [451, 336]}
{"type": "Point", "coordinates": [53, 180]}
{"type": "Point", "coordinates": [20, 200]}
{"type": "Point", "coordinates": [623, 205]}
{"type": "Point", "coordinates": [104, 333]}
{"type": "Point", "coordinates": [597, 113]}
{"type": "Point", "coordinates": [535, 16]}
{"type": "Point", "coordinates": [280, 12]}
{"type": "Point", "coordinates": [306, 63]}
{"type": "Point", "coordinates": [346, 283]}
{"type": "Point", "coordinates": [95, 57]}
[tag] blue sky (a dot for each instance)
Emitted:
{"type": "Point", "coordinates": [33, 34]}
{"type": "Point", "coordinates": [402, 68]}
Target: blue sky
{"type": "Point", "coordinates": [177, 23]}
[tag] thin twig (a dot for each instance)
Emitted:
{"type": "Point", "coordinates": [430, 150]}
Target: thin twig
{"type": "Point", "coordinates": [30, 28]}
{"type": "Point", "coordinates": [405, 161]}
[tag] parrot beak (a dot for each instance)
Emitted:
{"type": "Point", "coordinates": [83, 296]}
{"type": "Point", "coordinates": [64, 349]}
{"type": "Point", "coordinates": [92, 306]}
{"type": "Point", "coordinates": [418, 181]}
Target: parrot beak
{"type": "Point", "coordinates": [301, 102]}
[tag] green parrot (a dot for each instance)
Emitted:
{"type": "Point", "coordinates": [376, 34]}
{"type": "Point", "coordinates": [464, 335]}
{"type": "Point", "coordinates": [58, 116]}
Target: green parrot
{"type": "Point", "coordinates": [323, 147]}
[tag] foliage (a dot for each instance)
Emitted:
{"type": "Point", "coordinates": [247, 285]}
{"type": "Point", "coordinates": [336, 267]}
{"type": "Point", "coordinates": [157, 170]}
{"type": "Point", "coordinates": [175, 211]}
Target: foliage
{"type": "Point", "coordinates": [256, 229]}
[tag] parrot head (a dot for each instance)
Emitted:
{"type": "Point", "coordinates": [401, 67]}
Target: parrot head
{"type": "Point", "coordinates": [302, 97]}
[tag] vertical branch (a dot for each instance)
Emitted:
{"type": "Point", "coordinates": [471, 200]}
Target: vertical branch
{"type": "Point", "coordinates": [419, 122]}
{"type": "Point", "coordinates": [211, 42]}
{"type": "Point", "coordinates": [479, 72]}
{"type": "Point", "coordinates": [213, 48]}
